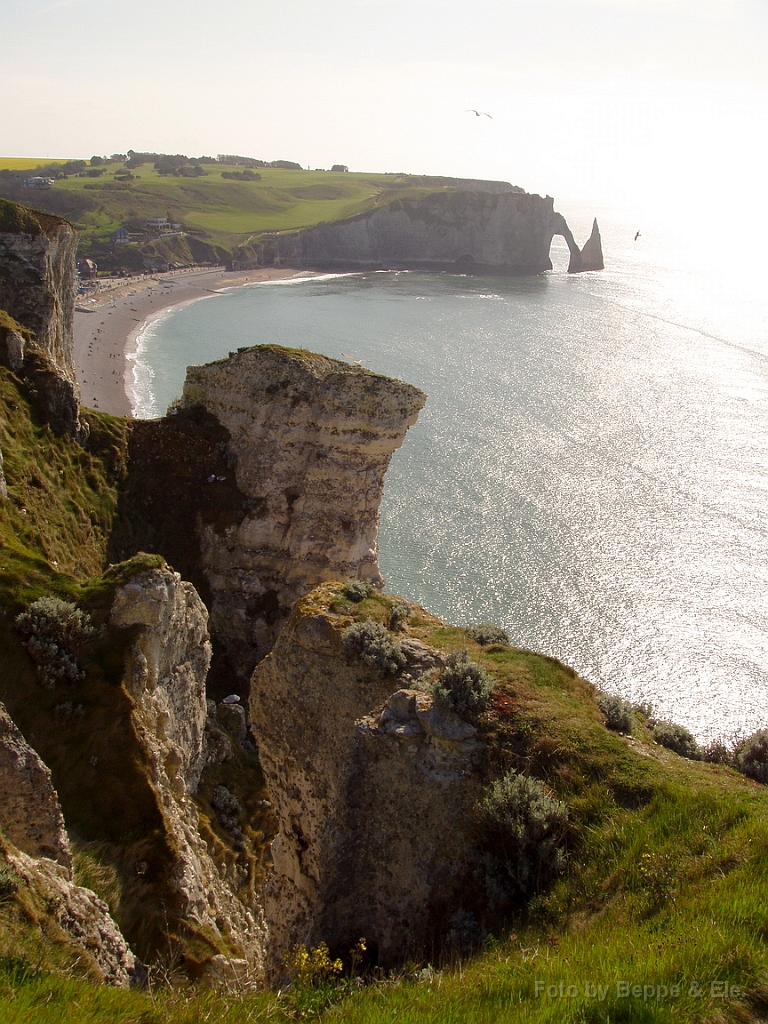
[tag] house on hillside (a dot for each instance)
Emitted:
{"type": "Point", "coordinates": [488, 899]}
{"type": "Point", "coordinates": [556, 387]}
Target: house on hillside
{"type": "Point", "coordinates": [340, 167]}
{"type": "Point", "coordinates": [37, 182]}
{"type": "Point", "coordinates": [120, 237]}
{"type": "Point", "coordinates": [158, 224]}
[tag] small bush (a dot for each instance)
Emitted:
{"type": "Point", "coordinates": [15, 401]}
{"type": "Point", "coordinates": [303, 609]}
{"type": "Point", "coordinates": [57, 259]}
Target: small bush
{"type": "Point", "coordinates": [357, 591]}
{"type": "Point", "coordinates": [463, 686]}
{"type": "Point", "coordinates": [311, 967]}
{"type": "Point", "coordinates": [52, 630]}
{"type": "Point", "coordinates": [371, 642]}
{"type": "Point", "coordinates": [526, 825]}
{"type": "Point", "coordinates": [618, 713]}
{"type": "Point", "coordinates": [398, 616]}
{"type": "Point", "coordinates": [677, 738]}
{"type": "Point", "coordinates": [751, 756]}
{"type": "Point", "coordinates": [486, 633]}
{"type": "Point", "coordinates": [719, 752]}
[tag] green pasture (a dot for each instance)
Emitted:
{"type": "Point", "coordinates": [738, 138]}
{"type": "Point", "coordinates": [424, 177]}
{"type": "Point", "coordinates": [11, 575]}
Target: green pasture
{"type": "Point", "coordinates": [222, 212]}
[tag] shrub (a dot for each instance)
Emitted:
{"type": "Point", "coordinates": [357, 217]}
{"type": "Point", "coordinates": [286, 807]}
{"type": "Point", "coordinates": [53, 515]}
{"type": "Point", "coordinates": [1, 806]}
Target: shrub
{"type": "Point", "coordinates": [463, 686]}
{"type": "Point", "coordinates": [357, 590]}
{"type": "Point", "coordinates": [398, 615]}
{"type": "Point", "coordinates": [525, 824]}
{"type": "Point", "coordinates": [719, 752]}
{"type": "Point", "coordinates": [308, 968]}
{"type": "Point", "coordinates": [371, 641]}
{"type": "Point", "coordinates": [618, 713]}
{"type": "Point", "coordinates": [486, 633]}
{"type": "Point", "coordinates": [751, 756]}
{"type": "Point", "coordinates": [51, 630]}
{"type": "Point", "coordinates": [677, 738]}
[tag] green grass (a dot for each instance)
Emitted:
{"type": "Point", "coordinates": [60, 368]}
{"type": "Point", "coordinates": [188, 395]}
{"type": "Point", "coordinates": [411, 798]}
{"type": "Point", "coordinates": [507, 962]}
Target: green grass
{"type": "Point", "coordinates": [223, 213]}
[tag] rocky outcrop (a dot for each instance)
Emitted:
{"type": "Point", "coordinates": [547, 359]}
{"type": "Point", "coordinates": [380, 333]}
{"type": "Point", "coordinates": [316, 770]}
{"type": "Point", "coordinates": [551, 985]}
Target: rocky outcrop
{"type": "Point", "coordinates": [30, 815]}
{"type": "Point", "coordinates": [37, 302]}
{"type": "Point", "coordinates": [36, 847]}
{"type": "Point", "coordinates": [165, 676]}
{"type": "Point", "coordinates": [310, 439]}
{"type": "Point", "coordinates": [591, 255]}
{"type": "Point", "coordinates": [588, 258]}
{"type": "Point", "coordinates": [81, 918]}
{"type": "Point", "coordinates": [37, 279]}
{"type": "Point", "coordinates": [168, 665]}
{"type": "Point", "coordinates": [505, 232]}
{"type": "Point", "coordinates": [373, 788]}
{"type": "Point", "coordinates": [3, 484]}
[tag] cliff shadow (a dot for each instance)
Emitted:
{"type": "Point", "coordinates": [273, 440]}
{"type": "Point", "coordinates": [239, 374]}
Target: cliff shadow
{"type": "Point", "coordinates": [180, 479]}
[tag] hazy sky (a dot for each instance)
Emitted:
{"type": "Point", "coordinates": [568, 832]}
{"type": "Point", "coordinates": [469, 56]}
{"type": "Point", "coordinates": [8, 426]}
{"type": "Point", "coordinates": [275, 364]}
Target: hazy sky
{"type": "Point", "coordinates": [598, 101]}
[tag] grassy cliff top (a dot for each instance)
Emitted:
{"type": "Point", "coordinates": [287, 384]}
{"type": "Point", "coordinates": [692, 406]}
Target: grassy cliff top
{"type": "Point", "coordinates": [218, 210]}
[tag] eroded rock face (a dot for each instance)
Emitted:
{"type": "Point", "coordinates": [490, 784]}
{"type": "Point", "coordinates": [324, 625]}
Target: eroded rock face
{"type": "Point", "coordinates": [36, 845]}
{"type": "Point", "coordinates": [83, 917]}
{"type": "Point", "coordinates": [169, 663]}
{"type": "Point", "coordinates": [477, 231]}
{"type": "Point", "coordinates": [373, 789]}
{"type": "Point", "coordinates": [311, 439]}
{"type": "Point", "coordinates": [30, 815]}
{"type": "Point", "coordinates": [37, 279]}
{"type": "Point", "coordinates": [165, 675]}
{"type": "Point", "coordinates": [37, 289]}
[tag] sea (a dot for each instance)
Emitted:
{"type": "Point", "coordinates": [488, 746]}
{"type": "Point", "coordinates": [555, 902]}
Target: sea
{"type": "Point", "coordinates": [590, 470]}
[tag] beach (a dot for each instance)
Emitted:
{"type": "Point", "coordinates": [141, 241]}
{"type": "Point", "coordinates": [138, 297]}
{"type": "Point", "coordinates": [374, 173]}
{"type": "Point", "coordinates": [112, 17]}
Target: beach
{"type": "Point", "coordinates": [113, 312]}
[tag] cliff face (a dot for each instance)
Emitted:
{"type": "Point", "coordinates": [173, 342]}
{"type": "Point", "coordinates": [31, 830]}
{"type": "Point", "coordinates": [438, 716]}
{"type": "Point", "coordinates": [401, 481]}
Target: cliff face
{"type": "Point", "coordinates": [480, 232]}
{"type": "Point", "coordinates": [310, 439]}
{"type": "Point", "coordinates": [37, 861]}
{"type": "Point", "coordinates": [37, 289]}
{"type": "Point", "coordinates": [165, 675]}
{"type": "Point", "coordinates": [373, 788]}
{"type": "Point", "coordinates": [37, 279]}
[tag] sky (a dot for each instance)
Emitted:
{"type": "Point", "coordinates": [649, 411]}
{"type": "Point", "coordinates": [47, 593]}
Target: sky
{"type": "Point", "coordinates": [638, 104]}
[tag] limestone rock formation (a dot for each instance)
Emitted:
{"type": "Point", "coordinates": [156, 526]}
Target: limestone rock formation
{"type": "Point", "coordinates": [170, 661]}
{"type": "Point", "coordinates": [82, 917]}
{"type": "Point", "coordinates": [481, 232]}
{"type": "Point", "coordinates": [310, 440]}
{"type": "Point", "coordinates": [592, 252]}
{"type": "Point", "coordinates": [37, 279]}
{"type": "Point", "coordinates": [590, 257]}
{"type": "Point", "coordinates": [30, 815]}
{"type": "Point", "coordinates": [37, 303]}
{"type": "Point", "coordinates": [373, 787]}
{"type": "Point", "coordinates": [36, 847]}
{"type": "Point", "coordinates": [165, 676]}
{"type": "Point", "coordinates": [3, 484]}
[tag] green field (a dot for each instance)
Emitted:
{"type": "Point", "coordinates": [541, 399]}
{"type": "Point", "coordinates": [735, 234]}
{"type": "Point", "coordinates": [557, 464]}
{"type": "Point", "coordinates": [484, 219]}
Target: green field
{"type": "Point", "coordinates": [226, 215]}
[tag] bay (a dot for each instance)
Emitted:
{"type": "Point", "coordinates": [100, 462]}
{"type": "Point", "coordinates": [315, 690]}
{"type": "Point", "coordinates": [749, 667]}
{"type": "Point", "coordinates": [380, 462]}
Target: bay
{"type": "Point", "coordinates": [589, 470]}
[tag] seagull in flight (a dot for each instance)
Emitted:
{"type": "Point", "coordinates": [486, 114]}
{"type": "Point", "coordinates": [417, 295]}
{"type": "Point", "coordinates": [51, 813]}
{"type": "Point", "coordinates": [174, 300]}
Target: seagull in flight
{"type": "Point", "coordinates": [357, 362]}
{"type": "Point", "coordinates": [637, 236]}
{"type": "Point", "coordinates": [477, 113]}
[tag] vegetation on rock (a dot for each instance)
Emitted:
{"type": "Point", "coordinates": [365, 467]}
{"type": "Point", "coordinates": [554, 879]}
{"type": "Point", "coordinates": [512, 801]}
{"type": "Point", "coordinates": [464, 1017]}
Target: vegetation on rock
{"type": "Point", "coordinates": [372, 643]}
{"type": "Point", "coordinates": [463, 686]}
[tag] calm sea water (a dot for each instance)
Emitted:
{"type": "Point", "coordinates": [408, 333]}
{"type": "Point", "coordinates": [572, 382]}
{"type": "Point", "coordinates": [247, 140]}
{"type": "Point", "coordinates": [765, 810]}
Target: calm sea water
{"type": "Point", "coordinates": [589, 470]}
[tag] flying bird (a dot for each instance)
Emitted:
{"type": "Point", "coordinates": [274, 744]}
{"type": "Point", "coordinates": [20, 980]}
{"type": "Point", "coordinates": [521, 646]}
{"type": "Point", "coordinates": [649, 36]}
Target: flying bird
{"type": "Point", "coordinates": [357, 362]}
{"type": "Point", "coordinates": [477, 113]}
{"type": "Point", "coordinates": [637, 236]}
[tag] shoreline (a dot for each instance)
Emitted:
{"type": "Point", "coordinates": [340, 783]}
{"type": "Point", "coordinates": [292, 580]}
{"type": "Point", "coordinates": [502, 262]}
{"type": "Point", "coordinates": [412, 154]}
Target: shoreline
{"type": "Point", "coordinates": [108, 321]}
